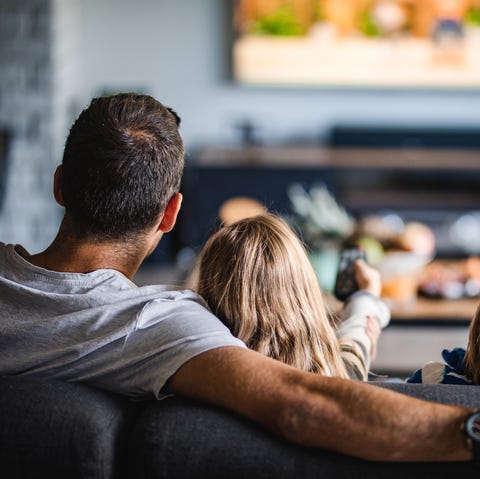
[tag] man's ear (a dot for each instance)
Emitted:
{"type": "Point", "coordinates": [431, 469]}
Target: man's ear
{"type": "Point", "coordinates": [57, 190]}
{"type": "Point", "coordinates": [169, 217]}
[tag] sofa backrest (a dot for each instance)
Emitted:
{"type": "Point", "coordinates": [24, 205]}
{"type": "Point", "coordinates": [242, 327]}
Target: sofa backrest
{"type": "Point", "coordinates": [61, 430]}
{"type": "Point", "coordinates": [460, 395]}
{"type": "Point", "coordinates": [178, 438]}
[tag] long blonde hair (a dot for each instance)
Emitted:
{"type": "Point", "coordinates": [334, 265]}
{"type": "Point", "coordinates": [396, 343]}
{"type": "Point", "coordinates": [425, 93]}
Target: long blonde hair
{"type": "Point", "coordinates": [472, 356]}
{"type": "Point", "coordinates": [256, 277]}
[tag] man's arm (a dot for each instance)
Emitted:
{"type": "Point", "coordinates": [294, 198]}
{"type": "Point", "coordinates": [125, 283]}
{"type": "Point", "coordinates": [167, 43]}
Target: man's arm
{"type": "Point", "coordinates": [350, 417]}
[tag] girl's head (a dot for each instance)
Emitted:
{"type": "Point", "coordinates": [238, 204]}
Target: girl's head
{"type": "Point", "coordinates": [472, 356]}
{"type": "Point", "coordinates": [256, 277]}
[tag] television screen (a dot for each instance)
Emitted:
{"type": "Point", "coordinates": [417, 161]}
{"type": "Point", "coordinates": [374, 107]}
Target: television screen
{"type": "Point", "coordinates": [371, 43]}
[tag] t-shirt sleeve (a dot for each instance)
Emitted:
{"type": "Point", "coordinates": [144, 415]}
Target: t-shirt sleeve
{"type": "Point", "coordinates": [167, 332]}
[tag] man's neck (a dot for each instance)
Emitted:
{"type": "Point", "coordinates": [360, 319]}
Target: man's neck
{"type": "Point", "coordinates": [70, 256]}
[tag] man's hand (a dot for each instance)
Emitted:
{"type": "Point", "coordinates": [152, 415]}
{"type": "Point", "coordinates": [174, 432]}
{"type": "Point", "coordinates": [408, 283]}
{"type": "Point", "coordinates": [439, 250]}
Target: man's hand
{"type": "Point", "coordinates": [368, 278]}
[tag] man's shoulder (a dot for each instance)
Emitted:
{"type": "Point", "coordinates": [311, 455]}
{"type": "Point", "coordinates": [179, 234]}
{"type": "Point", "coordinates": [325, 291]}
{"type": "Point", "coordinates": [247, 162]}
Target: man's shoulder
{"type": "Point", "coordinates": [4, 247]}
{"type": "Point", "coordinates": [86, 294]}
{"type": "Point", "coordinates": [7, 250]}
{"type": "Point", "coordinates": [168, 295]}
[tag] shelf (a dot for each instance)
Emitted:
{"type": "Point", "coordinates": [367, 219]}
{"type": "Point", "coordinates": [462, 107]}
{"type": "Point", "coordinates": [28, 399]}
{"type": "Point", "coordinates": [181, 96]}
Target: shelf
{"type": "Point", "coordinates": [314, 156]}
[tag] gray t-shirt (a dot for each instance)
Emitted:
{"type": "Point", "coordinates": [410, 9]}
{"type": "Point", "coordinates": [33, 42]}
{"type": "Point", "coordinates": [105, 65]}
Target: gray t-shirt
{"type": "Point", "coordinates": [99, 327]}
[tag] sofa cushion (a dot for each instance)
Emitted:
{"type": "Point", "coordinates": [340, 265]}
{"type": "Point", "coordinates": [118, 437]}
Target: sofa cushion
{"type": "Point", "coordinates": [178, 438]}
{"type": "Point", "coordinates": [60, 430]}
{"type": "Point", "coordinates": [460, 395]}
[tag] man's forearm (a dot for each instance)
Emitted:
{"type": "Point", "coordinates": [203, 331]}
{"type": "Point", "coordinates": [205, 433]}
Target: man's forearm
{"type": "Point", "coordinates": [350, 417]}
{"type": "Point", "coordinates": [373, 423]}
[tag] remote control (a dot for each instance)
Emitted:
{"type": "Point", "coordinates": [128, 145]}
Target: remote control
{"type": "Point", "coordinates": [346, 284]}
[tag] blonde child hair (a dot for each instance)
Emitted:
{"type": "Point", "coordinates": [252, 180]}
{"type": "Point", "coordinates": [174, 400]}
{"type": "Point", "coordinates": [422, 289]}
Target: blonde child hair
{"type": "Point", "coordinates": [472, 354]}
{"type": "Point", "coordinates": [255, 276]}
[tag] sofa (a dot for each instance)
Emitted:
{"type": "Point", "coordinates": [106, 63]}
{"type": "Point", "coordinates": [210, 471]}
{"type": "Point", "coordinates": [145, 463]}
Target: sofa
{"type": "Point", "coordinates": [52, 429]}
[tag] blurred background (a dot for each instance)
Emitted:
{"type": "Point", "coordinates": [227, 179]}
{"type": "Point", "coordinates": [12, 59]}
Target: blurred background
{"type": "Point", "coordinates": [388, 126]}
{"type": "Point", "coordinates": [56, 54]}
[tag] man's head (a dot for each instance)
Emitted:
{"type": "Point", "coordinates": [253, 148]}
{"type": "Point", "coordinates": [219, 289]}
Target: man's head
{"type": "Point", "coordinates": [123, 162]}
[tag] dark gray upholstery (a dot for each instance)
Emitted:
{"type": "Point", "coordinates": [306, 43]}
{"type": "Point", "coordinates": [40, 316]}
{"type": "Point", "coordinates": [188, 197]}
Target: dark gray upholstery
{"type": "Point", "coordinates": [54, 429]}
{"type": "Point", "coordinates": [182, 439]}
{"type": "Point", "coordinates": [60, 430]}
{"type": "Point", "coordinates": [468, 396]}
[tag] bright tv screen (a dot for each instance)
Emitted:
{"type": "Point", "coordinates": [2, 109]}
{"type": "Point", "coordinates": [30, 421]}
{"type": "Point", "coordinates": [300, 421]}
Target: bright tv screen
{"type": "Point", "coordinates": [371, 43]}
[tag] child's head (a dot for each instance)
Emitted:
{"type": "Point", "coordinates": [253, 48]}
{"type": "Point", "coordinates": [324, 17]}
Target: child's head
{"type": "Point", "coordinates": [472, 356]}
{"type": "Point", "coordinates": [256, 277]}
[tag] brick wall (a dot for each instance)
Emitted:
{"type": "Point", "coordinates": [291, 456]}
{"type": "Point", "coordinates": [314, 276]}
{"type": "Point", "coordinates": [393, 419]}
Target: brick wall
{"type": "Point", "coordinates": [28, 214]}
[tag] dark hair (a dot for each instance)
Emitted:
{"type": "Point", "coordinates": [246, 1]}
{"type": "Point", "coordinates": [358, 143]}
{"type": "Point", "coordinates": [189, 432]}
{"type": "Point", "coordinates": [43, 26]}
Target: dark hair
{"type": "Point", "coordinates": [122, 163]}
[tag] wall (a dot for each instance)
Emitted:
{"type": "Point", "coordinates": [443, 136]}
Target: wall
{"type": "Point", "coordinates": [39, 82]}
{"type": "Point", "coordinates": [27, 215]}
{"type": "Point", "coordinates": [67, 65]}
{"type": "Point", "coordinates": [177, 49]}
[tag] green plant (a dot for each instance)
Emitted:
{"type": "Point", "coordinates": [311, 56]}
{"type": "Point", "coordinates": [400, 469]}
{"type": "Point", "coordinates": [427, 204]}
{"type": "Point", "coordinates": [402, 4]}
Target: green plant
{"type": "Point", "coordinates": [368, 26]}
{"type": "Point", "coordinates": [282, 22]}
{"type": "Point", "coordinates": [318, 216]}
{"type": "Point", "coordinates": [473, 17]}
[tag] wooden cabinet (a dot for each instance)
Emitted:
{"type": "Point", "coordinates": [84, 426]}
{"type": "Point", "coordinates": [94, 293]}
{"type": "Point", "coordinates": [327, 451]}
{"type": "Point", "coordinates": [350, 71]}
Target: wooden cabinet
{"type": "Point", "coordinates": [435, 186]}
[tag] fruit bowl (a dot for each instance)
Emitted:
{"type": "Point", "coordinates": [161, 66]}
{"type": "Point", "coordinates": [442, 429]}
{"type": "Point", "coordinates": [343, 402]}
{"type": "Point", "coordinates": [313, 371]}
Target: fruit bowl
{"type": "Point", "coordinates": [400, 272]}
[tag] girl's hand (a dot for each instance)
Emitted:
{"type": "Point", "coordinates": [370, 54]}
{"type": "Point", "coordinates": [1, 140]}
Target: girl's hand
{"type": "Point", "coordinates": [368, 278]}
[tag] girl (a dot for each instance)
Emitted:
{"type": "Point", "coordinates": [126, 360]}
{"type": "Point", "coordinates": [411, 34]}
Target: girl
{"type": "Point", "coordinates": [460, 367]}
{"type": "Point", "coordinates": [256, 277]}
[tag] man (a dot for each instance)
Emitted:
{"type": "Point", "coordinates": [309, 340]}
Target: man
{"type": "Point", "coordinates": [71, 311]}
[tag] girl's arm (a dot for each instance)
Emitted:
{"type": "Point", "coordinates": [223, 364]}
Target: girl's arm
{"type": "Point", "coordinates": [356, 332]}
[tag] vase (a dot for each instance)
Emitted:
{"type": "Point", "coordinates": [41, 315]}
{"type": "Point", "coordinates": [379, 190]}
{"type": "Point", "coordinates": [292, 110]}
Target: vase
{"type": "Point", "coordinates": [325, 263]}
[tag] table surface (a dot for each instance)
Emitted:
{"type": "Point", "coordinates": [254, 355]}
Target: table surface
{"type": "Point", "coordinates": [436, 309]}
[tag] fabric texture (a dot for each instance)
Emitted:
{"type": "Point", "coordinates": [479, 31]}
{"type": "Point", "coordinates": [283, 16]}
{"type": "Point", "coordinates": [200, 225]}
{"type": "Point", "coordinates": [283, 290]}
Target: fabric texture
{"type": "Point", "coordinates": [167, 436]}
{"type": "Point", "coordinates": [61, 430]}
{"type": "Point", "coordinates": [452, 371]}
{"type": "Point", "coordinates": [457, 394]}
{"type": "Point", "coordinates": [99, 328]}
{"type": "Point", "coordinates": [65, 430]}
